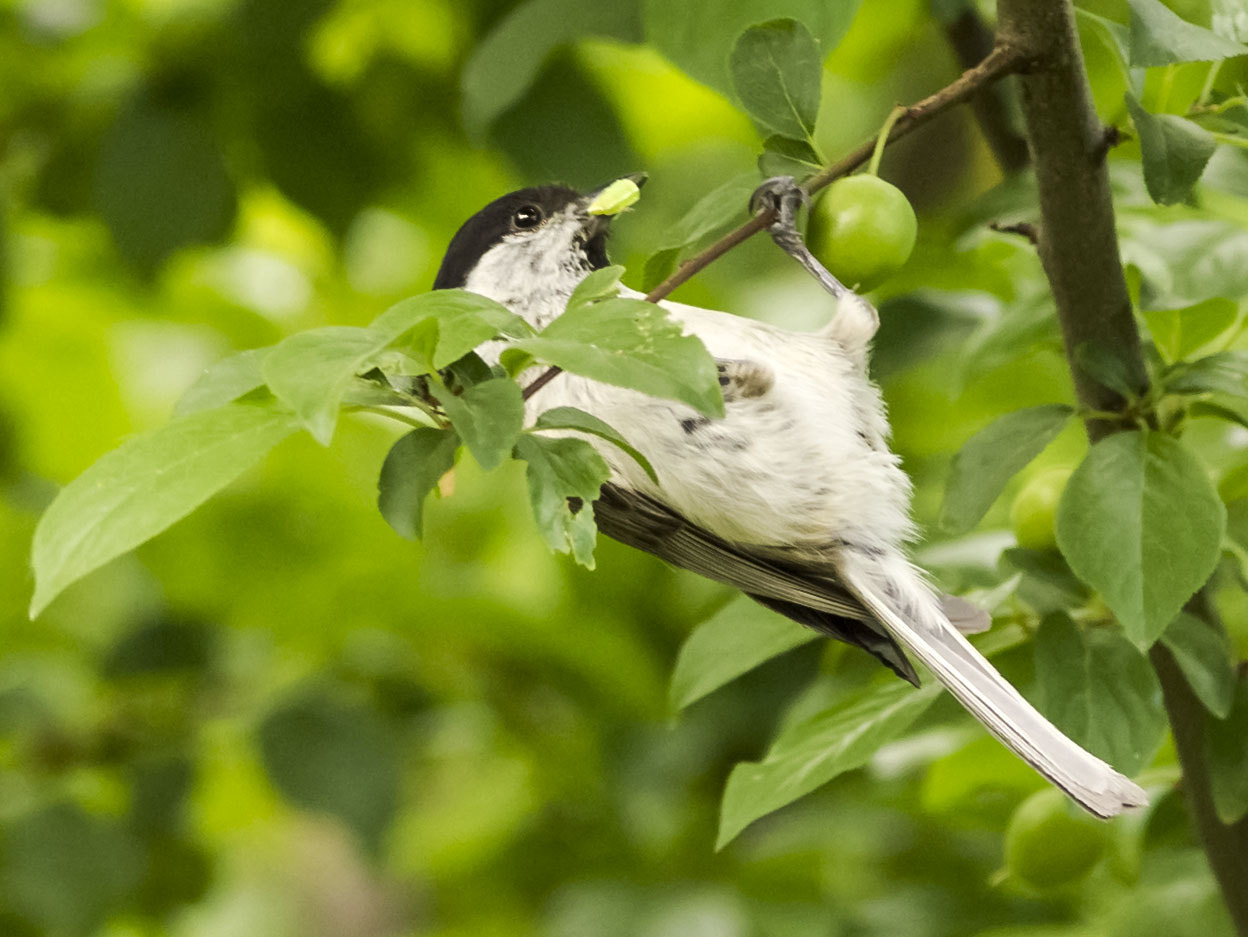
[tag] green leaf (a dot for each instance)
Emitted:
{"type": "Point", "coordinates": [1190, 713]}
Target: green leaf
{"type": "Point", "coordinates": [1226, 741]}
{"type": "Point", "coordinates": [699, 35]}
{"type": "Point", "coordinates": [559, 469]}
{"type": "Point", "coordinates": [776, 70]}
{"type": "Point", "coordinates": [1223, 373]}
{"type": "Point", "coordinates": [601, 284]}
{"type": "Point", "coordinates": [1208, 408]}
{"type": "Point", "coordinates": [1049, 568]}
{"type": "Point", "coordinates": [1141, 523]}
{"type": "Point", "coordinates": [1159, 36]}
{"type": "Point", "coordinates": [1098, 688]}
{"type": "Point", "coordinates": [136, 491]}
{"type": "Point", "coordinates": [577, 419]}
{"type": "Point", "coordinates": [725, 204]}
{"type": "Point", "coordinates": [736, 639]}
{"type": "Point", "coordinates": [335, 758]}
{"type": "Point", "coordinates": [1174, 149]}
{"type": "Point", "coordinates": [659, 266]}
{"type": "Point", "coordinates": [632, 343]}
{"type": "Point", "coordinates": [1117, 38]}
{"type": "Point", "coordinates": [224, 382]}
{"type": "Point", "coordinates": [506, 62]}
{"type": "Point", "coordinates": [312, 371]}
{"type": "Point", "coordinates": [813, 751]}
{"type": "Point", "coordinates": [413, 468]}
{"type": "Point", "coordinates": [993, 456]}
{"type": "Point", "coordinates": [464, 321]}
{"type": "Point", "coordinates": [1230, 19]}
{"type": "Point", "coordinates": [488, 417]}
{"type": "Point", "coordinates": [785, 156]}
{"type": "Point", "coordinates": [1203, 652]}
{"type": "Point", "coordinates": [1179, 332]}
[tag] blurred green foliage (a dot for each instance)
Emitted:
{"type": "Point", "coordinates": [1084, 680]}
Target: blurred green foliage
{"type": "Point", "coordinates": [280, 718]}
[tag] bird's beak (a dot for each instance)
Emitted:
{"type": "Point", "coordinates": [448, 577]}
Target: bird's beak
{"type": "Point", "coordinates": [615, 197]}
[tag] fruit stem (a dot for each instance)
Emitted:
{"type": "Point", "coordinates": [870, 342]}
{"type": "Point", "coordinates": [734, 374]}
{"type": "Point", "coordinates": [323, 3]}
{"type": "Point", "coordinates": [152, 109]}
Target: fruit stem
{"type": "Point", "coordinates": [873, 168]}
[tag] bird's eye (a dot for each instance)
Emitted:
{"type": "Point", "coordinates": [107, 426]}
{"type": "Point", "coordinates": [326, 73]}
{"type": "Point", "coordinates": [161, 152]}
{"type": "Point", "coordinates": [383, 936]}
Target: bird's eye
{"type": "Point", "coordinates": [530, 216]}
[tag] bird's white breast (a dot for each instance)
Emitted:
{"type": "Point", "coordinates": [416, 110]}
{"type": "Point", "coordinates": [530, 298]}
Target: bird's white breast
{"type": "Point", "coordinates": [805, 464]}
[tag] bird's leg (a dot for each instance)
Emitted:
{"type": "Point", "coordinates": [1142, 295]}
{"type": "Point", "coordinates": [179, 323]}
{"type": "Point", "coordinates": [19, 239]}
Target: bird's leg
{"type": "Point", "coordinates": [856, 320]}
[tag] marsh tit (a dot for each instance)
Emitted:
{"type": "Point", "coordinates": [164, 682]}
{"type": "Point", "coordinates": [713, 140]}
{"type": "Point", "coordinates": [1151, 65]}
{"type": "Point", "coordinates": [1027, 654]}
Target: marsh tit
{"type": "Point", "coordinates": [793, 496]}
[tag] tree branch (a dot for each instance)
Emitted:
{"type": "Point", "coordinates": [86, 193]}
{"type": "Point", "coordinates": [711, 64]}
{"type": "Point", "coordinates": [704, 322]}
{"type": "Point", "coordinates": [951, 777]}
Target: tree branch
{"type": "Point", "coordinates": [1079, 249]}
{"type": "Point", "coordinates": [1077, 241]}
{"type": "Point", "coordinates": [1226, 846]}
{"type": "Point", "coordinates": [1001, 61]}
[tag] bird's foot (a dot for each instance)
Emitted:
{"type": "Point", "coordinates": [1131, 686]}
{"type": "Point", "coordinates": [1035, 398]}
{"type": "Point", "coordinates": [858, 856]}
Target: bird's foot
{"type": "Point", "coordinates": [785, 197]}
{"type": "Point", "coordinates": [856, 320]}
{"type": "Point", "coordinates": [742, 378]}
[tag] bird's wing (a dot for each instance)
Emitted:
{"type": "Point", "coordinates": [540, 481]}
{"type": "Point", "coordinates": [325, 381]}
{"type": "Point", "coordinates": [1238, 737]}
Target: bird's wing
{"type": "Point", "coordinates": [810, 596]}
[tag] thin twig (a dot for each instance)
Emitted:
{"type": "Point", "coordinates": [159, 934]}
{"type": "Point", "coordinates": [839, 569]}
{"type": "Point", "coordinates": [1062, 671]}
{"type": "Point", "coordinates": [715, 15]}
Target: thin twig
{"type": "Point", "coordinates": [1003, 60]}
{"type": "Point", "coordinates": [1022, 228]}
{"type": "Point", "coordinates": [541, 381]}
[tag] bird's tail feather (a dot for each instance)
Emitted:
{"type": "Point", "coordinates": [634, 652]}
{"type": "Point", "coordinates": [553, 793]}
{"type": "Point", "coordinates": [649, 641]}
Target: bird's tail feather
{"type": "Point", "coordinates": [902, 603]}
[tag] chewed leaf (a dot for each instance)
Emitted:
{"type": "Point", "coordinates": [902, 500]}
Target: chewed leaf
{"type": "Point", "coordinates": [559, 469]}
{"type": "Point", "coordinates": [488, 417]}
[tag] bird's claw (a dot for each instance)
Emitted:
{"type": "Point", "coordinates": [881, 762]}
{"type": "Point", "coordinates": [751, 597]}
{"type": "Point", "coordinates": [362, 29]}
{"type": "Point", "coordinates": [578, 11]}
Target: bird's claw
{"type": "Point", "coordinates": [785, 197]}
{"type": "Point", "coordinates": [782, 195]}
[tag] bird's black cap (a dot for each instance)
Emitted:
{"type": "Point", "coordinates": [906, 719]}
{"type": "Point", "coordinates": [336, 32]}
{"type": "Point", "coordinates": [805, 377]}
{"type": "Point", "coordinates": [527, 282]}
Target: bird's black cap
{"type": "Point", "coordinates": [491, 224]}
{"type": "Point", "coordinates": [497, 219]}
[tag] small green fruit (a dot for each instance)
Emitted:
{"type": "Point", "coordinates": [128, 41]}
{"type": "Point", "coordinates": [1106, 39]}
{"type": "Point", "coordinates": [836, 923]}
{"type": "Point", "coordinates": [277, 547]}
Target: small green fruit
{"type": "Point", "coordinates": [863, 229]}
{"type": "Point", "coordinates": [1034, 511]}
{"type": "Point", "coordinates": [1051, 842]}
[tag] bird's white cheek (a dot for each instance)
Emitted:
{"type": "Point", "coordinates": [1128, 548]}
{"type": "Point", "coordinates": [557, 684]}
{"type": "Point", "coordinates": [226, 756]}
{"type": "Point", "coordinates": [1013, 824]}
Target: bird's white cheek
{"type": "Point", "coordinates": [532, 276]}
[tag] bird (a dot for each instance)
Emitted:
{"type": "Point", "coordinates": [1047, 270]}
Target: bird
{"type": "Point", "coordinates": [793, 496]}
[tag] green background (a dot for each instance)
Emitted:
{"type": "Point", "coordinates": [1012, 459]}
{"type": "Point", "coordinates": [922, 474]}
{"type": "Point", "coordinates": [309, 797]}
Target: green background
{"type": "Point", "coordinates": [279, 718]}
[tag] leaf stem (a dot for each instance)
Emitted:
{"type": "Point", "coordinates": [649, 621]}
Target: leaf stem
{"type": "Point", "coordinates": [873, 168]}
{"type": "Point", "coordinates": [1231, 139]}
{"type": "Point", "coordinates": [395, 415]}
{"type": "Point", "coordinates": [1163, 93]}
{"type": "Point", "coordinates": [1214, 68]}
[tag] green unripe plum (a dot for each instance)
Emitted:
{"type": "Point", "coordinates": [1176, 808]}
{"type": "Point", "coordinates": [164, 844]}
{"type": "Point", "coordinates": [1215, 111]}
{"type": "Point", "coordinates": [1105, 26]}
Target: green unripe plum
{"type": "Point", "coordinates": [1034, 511]}
{"type": "Point", "coordinates": [863, 230]}
{"type": "Point", "coordinates": [1051, 842]}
